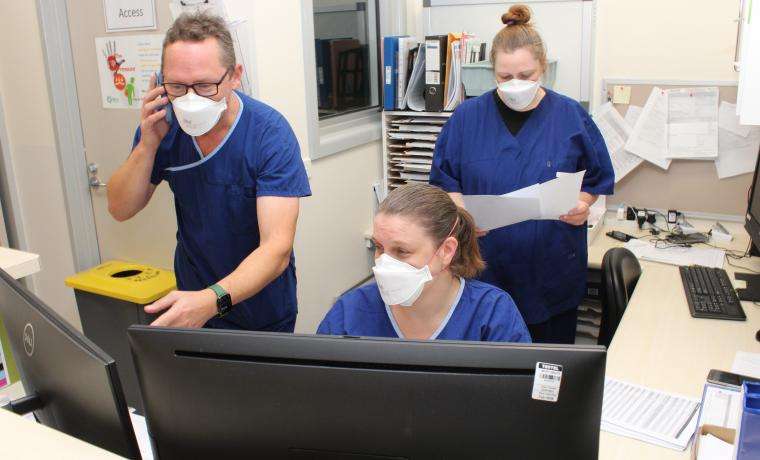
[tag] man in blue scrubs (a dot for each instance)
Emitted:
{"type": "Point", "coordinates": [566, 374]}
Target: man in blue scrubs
{"type": "Point", "coordinates": [235, 168]}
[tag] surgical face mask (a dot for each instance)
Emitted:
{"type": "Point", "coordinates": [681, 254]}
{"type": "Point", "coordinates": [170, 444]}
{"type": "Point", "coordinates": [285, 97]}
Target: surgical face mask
{"type": "Point", "coordinates": [518, 94]}
{"type": "Point", "coordinates": [399, 283]}
{"type": "Point", "coordinates": [196, 114]}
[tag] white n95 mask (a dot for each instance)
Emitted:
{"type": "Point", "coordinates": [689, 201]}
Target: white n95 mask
{"type": "Point", "coordinates": [196, 114]}
{"type": "Point", "coordinates": [399, 283]}
{"type": "Point", "coordinates": [518, 94]}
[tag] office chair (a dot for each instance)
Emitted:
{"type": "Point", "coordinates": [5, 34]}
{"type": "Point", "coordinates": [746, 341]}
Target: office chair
{"type": "Point", "coordinates": [620, 273]}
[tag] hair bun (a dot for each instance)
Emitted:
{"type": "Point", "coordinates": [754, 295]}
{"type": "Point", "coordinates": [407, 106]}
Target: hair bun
{"type": "Point", "coordinates": [517, 15]}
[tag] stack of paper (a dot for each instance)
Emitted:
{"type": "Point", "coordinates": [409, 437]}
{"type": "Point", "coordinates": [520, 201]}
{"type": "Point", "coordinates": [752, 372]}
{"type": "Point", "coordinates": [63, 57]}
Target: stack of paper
{"type": "Point", "coordinates": [411, 143]}
{"type": "Point", "coordinates": [676, 255]}
{"type": "Point", "coordinates": [648, 415]}
{"type": "Point", "coordinates": [539, 201]}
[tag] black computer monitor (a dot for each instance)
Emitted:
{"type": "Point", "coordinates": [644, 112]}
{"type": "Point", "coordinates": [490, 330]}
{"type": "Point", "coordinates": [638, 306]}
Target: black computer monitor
{"type": "Point", "coordinates": [752, 225]}
{"type": "Point", "coordinates": [71, 384]}
{"type": "Point", "coordinates": [235, 394]}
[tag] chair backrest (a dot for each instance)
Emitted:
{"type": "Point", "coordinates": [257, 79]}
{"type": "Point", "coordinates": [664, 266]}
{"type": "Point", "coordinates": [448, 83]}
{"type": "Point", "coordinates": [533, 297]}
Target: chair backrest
{"type": "Point", "coordinates": [620, 273]}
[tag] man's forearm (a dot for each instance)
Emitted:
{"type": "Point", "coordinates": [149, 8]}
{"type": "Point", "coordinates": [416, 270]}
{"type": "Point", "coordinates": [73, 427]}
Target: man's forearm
{"type": "Point", "coordinates": [129, 189]}
{"type": "Point", "coordinates": [256, 271]}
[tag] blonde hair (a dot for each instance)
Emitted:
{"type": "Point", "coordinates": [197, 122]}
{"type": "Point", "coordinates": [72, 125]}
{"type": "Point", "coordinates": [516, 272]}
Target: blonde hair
{"type": "Point", "coordinates": [518, 32]}
{"type": "Point", "coordinates": [433, 209]}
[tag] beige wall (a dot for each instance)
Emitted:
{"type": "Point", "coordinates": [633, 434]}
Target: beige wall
{"type": "Point", "coordinates": [672, 39]}
{"type": "Point", "coordinates": [28, 119]}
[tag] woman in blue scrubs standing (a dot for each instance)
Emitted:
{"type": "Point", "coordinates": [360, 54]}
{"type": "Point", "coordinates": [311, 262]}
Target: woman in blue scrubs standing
{"type": "Point", "coordinates": [516, 136]}
{"type": "Point", "coordinates": [426, 256]}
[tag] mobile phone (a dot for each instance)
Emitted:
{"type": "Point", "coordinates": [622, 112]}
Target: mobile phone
{"type": "Point", "coordinates": [620, 236]}
{"type": "Point", "coordinates": [728, 379]}
{"type": "Point", "coordinates": [168, 106]}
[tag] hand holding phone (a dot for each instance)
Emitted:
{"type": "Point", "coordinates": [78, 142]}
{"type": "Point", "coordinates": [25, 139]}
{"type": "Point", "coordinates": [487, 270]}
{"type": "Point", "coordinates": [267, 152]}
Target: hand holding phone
{"type": "Point", "coordinates": [168, 106]}
{"type": "Point", "coordinates": [155, 115]}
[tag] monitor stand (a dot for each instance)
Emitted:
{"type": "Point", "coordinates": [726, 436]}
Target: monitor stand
{"type": "Point", "coordinates": [25, 405]}
{"type": "Point", "coordinates": [752, 291]}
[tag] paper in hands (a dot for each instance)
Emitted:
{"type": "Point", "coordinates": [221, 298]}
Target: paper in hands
{"type": "Point", "coordinates": [539, 201]}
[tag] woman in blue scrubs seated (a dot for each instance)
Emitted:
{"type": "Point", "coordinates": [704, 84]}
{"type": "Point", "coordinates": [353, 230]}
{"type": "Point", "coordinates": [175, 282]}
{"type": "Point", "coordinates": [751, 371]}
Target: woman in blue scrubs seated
{"type": "Point", "coordinates": [426, 257]}
{"type": "Point", "coordinates": [515, 136]}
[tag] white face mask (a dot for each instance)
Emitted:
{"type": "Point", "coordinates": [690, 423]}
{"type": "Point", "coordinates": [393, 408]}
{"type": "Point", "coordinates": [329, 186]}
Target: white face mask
{"type": "Point", "coordinates": [196, 114]}
{"type": "Point", "coordinates": [399, 282]}
{"type": "Point", "coordinates": [518, 94]}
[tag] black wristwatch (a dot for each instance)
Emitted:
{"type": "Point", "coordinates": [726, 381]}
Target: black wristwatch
{"type": "Point", "coordinates": [223, 300]}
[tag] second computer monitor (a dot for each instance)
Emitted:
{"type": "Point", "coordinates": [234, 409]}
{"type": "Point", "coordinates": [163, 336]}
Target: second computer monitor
{"type": "Point", "coordinates": [232, 394]}
{"type": "Point", "coordinates": [73, 385]}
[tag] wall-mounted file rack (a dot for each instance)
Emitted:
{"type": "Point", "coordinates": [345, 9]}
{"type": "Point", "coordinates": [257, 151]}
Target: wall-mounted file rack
{"type": "Point", "coordinates": [408, 143]}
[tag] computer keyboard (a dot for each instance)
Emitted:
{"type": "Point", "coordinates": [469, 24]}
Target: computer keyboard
{"type": "Point", "coordinates": [710, 293]}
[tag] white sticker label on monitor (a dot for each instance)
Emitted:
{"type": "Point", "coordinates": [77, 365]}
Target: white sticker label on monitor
{"type": "Point", "coordinates": [546, 382]}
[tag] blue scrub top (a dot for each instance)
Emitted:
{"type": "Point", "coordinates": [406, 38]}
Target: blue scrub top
{"type": "Point", "coordinates": [215, 202]}
{"type": "Point", "coordinates": [542, 264]}
{"type": "Point", "coordinates": [480, 312]}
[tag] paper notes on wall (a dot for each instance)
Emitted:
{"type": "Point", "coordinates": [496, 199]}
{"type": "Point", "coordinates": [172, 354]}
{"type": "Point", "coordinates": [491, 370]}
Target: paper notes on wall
{"type": "Point", "coordinates": [738, 145]}
{"type": "Point", "coordinates": [679, 124]}
{"type": "Point", "coordinates": [649, 139]}
{"type": "Point", "coordinates": [616, 131]}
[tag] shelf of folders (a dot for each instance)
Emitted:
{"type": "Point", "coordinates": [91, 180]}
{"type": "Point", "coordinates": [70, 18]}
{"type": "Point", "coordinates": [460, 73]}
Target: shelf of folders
{"type": "Point", "coordinates": [427, 76]}
{"type": "Point", "coordinates": [408, 144]}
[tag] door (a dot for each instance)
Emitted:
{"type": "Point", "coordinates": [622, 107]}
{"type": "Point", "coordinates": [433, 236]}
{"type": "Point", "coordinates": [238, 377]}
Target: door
{"type": "Point", "coordinates": [149, 237]}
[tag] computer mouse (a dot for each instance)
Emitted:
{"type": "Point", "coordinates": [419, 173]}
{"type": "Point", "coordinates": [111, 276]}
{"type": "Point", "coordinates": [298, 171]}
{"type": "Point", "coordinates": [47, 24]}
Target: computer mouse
{"type": "Point", "coordinates": [757, 336]}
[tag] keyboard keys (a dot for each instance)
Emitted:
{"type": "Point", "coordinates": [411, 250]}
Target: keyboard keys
{"type": "Point", "coordinates": [710, 294]}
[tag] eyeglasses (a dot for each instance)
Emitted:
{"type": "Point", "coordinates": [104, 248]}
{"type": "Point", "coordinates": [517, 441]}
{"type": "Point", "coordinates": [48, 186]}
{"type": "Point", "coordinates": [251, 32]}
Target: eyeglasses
{"type": "Point", "coordinates": [201, 89]}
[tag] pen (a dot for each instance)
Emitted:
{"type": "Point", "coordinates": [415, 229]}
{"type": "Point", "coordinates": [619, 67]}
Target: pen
{"type": "Point", "coordinates": [687, 420]}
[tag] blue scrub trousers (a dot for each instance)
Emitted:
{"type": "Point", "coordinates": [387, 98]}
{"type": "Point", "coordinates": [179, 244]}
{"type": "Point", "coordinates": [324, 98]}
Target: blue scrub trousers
{"type": "Point", "coordinates": [286, 325]}
{"type": "Point", "coordinates": [557, 329]}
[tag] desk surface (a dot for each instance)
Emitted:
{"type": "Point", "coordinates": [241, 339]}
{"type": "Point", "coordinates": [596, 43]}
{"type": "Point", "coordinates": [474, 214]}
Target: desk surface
{"type": "Point", "coordinates": [27, 439]}
{"type": "Point", "coordinates": [659, 344]}
{"type": "Point", "coordinates": [19, 264]}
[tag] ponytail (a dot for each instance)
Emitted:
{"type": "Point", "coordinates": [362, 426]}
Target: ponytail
{"type": "Point", "coordinates": [467, 262]}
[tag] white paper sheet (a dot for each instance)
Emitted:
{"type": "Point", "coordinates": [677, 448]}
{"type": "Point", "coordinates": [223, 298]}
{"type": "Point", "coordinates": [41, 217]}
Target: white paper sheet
{"type": "Point", "coordinates": [454, 94]}
{"type": "Point", "coordinates": [632, 115]}
{"type": "Point", "coordinates": [616, 131]}
{"type": "Point", "coordinates": [693, 123]}
{"type": "Point", "coordinates": [729, 120]}
{"type": "Point", "coordinates": [736, 154]}
{"type": "Point", "coordinates": [415, 93]}
{"type": "Point", "coordinates": [676, 255]}
{"type": "Point", "coordinates": [746, 363]}
{"type": "Point", "coordinates": [548, 200]}
{"type": "Point", "coordinates": [720, 406]}
{"type": "Point", "coordinates": [416, 136]}
{"type": "Point", "coordinates": [417, 128]}
{"type": "Point", "coordinates": [421, 144]}
{"type": "Point", "coordinates": [712, 448]}
{"type": "Point", "coordinates": [649, 139]}
{"type": "Point", "coordinates": [141, 433]}
{"type": "Point", "coordinates": [495, 211]}
{"type": "Point", "coordinates": [649, 415]}
{"type": "Point", "coordinates": [560, 195]}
